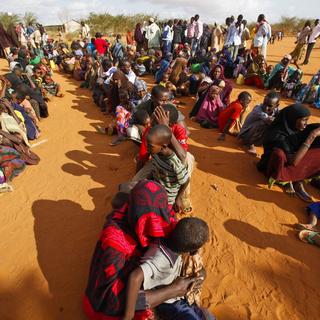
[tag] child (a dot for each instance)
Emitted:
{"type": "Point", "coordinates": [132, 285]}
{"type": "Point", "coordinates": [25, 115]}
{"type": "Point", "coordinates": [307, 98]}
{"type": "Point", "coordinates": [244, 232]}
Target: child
{"type": "Point", "coordinates": [167, 168]}
{"type": "Point", "coordinates": [140, 68]}
{"type": "Point", "coordinates": [252, 131]}
{"type": "Point", "coordinates": [51, 87]}
{"type": "Point", "coordinates": [162, 264]}
{"type": "Point", "coordinates": [231, 119]}
{"type": "Point", "coordinates": [314, 213]}
{"type": "Point", "coordinates": [123, 117]}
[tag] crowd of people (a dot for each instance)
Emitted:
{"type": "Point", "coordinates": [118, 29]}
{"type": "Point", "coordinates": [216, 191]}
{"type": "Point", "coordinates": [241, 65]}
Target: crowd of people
{"type": "Point", "coordinates": [147, 262]}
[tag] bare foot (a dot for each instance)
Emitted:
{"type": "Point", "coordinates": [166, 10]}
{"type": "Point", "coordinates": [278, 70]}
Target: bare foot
{"type": "Point", "coordinates": [252, 151]}
{"type": "Point", "coordinates": [301, 192]}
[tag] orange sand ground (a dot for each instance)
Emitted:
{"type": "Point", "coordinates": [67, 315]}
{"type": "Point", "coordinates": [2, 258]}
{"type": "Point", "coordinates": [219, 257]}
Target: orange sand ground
{"type": "Point", "coordinates": [257, 269]}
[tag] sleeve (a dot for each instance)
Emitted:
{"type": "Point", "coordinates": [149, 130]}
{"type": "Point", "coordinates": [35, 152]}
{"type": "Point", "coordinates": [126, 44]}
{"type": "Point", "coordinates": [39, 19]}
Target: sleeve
{"type": "Point", "coordinates": [181, 173]}
{"type": "Point", "coordinates": [143, 152]}
{"type": "Point", "coordinates": [236, 112]}
{"type": "Point", "coordinates": [181, 135]}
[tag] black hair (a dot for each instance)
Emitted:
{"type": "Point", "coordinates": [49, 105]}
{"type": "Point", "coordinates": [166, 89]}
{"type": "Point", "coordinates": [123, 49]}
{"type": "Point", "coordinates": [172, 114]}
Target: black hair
{"type": "Point", "coordinates": [119, 200]}
{"type": "Point", "coordinates": [189, 235]}
{"type": "Point", "coordinates": [173, 113]}
{"type": "Point", "coordinates": [273, 95]}
{"type": "Point", "coordinates": [106, 64]}
{"type": "Point", "coordinates": [158, 90]}
{"type": "Point", "coordinates": [141, 116]}
{"type": "Point", "coordinates": [261, 17]}
{"type": "Point", "coordinates": [162, 131]}
{"type": "Point", "coordinates": [244, 95]}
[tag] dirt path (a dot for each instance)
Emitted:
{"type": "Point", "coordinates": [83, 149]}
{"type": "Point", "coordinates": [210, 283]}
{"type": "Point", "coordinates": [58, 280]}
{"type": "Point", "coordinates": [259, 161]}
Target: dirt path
{"type": "Point", "coordinates": [257, 269]}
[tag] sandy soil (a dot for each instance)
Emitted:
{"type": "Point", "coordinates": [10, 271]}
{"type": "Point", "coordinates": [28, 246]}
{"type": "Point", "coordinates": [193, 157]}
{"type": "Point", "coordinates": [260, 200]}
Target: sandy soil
{"type": "Point", "coordinates": [257, 269]}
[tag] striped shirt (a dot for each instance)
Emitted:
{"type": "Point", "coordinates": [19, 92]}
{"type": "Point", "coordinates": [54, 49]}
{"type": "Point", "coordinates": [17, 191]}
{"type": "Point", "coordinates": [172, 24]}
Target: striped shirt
{"type": "Point", "coordinates": [171, 173]}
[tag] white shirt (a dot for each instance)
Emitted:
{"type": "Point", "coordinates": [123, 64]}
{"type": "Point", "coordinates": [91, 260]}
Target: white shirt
{"type": "Point", "coordinates": [132, 77]}
{"type": "Point", "coordinates": [315, 33]}
{"type": "Point", "coordinates": [234, 35]}
{"type": "Point", "coordinates": [160, 267]}
{"type": "Point", "coordinates": [263, 35]}
{"type": "Point", "coordinates": [167, 33]}
{"type": "Point", "coordinates": [198, 30]}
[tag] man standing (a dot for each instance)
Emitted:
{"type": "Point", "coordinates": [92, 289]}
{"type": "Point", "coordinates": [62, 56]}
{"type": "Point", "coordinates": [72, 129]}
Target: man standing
{"type": "Point", "coordinates": [85, 30]}
{"type": "Point", "coordinates": [312, 40]}
{"type": "Point", "coordinates": [262, 36]}
{"type": "Point", "coordinates": [234, 37]}
{"type": "Point", "coordinates": [167, 37]}
{"type": "Point", "coordinates": [198, 31]}
{"type": "Point", "coordinates": [153, 35]}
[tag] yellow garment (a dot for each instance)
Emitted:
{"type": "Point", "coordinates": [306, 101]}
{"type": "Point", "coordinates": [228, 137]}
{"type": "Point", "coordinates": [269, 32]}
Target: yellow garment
{"type": "Point", "coordinates": [19, 114]}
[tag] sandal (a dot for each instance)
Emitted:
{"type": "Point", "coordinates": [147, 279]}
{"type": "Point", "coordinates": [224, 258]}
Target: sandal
{"type": "Point", "coordinates": [307, 236]}
{"type": "Point", "coordinates": [309, 227]}
{"type": "Point", "coordinates": [4, 188]}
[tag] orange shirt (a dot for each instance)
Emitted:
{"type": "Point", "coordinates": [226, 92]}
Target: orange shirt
{"type": "Point", "coordinates": [233, 111]}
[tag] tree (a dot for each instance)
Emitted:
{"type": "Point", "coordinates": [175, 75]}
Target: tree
{"type": "Point", "coordinates": [29, 18]}
{"type": "Point", "coordinates": [7, 18]}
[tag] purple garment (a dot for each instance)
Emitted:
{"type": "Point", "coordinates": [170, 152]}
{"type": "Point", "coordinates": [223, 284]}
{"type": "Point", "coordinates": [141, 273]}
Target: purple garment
{"type": "Point", "coordinates": [210, 109]}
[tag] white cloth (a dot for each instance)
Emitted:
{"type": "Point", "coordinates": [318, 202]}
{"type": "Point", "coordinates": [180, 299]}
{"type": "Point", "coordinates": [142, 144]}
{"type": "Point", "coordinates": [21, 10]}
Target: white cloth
{"type": "Point", "coordinates": [198, 30]}
{"type": "Point", "coordinates": [263, 35]}
{"type": "Point", "coordinates": [153, 36]}
{"type": "Point", "coordinates": [234, 35]}
{"type": "Point", "coordinates": [132, 77]}
{"type": "Point", "coordinates": [167, 33]}
{"type": "Point", "coordinates": [315, 34]}
{"type": "Point", "coordinates": [160, 267]}
{"type": "Point", "coordinates": [85, 31]}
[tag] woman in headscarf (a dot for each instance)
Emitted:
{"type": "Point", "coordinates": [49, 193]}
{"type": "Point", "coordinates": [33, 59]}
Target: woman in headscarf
{"type": "Point", "coordinates": [129, 38]}
{"type": "Point", "coordinates": [211, 106]}
{"type": "Point", "coordinates": [179, 76]}
{"type": "Point", "coordinates": [302, 42]}
{"type": "Point", "coordinates": [138, 37]}
{"type": "Point", "coordinates": [291, 150]}
{"type": "Point", "coordinates": [165, 66]}
{"type": "Point", "coordinates": [256, 72]}
{"type": "Point", "coordinates": [125, 237]}
{"type": "Point", "coordinates": [141, 92]}
{"type": "Point", "coordinates": [311, 93]}
{"type": "Point", "coordinates": [119, 85]}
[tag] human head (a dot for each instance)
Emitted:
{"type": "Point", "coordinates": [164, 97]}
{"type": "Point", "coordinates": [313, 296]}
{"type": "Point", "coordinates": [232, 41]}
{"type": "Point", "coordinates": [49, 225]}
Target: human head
{"type": "Point", "coordinates": [125, 66]}
{"type": "Point", "coordinates": [158, 138]}
{"type": "Point", "coordinates": [123, 97]}
{"type": "Point", "coordinates": [261, 17]}
{"type": "Point", "coordinates": [189, 235]}
{"type": "Point", "coordinates": [297, 116]}
{"type": "Point", "coordinates": [169, 57]}
{"type": "Point", "coordinates": [141, 88]}
{"type": "Point", "coordinates": [47, 78]}
{"type": "Point", "coordinates": [165, 77]}
{"type": "Point", "coordinates": [142, 118]}
{"type": "Point", "coordinates": [245, 98]}
{"type": "Point", "coordinates": [82, 23]}
{"type": "Point", "coordinates": [151, 21]}
{"type": "Point", "coordinates": [270, 102]}
{"type": "Point", "coordinates": [173, 113]}
{"type": "Point", "coordinates": [286, 59]}
{"type": "Point", "coordinates": [170, 23]}
{"type": "Point", "coordinates": [98, 35]}
{"type": "Point", "coordinates": [244, 22]}
{"type": "Point", "coordinates": [216, 89]}
{"type": "Point", "coordinates": [159, 95]}
{"type": "Point", "coordinates": [196, 17]}
{"type": "Point", "coordinates": [240, 18]}
{"type": "Point", "coordinates": [217, 72]}
{"type": "Point", "coordinates": [192, 19]}
{"type": "Point", "coordinates": [307, 24]}
{"type": "Point", "coordinates": [37, 71]}
{"type": "Point", "coordinates": [316, 22]}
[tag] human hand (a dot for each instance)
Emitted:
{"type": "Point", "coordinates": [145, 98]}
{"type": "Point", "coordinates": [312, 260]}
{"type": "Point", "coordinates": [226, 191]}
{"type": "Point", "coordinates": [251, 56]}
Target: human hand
{"type": "Point", "coordinates": [161, 116]}
{"type": "Point", "coordinates": [222, 137]}
{"type": "Point", "coordinates": [315, 133]}
{"type": "Point", "coordinates": [182, 285]}
{"type": "Point", "coordinates": [178, 205]}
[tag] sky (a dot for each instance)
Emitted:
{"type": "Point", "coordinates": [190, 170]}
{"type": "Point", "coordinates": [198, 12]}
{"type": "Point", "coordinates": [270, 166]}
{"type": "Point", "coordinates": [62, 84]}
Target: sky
{"type": "Point", "coordinates": [58, 11]}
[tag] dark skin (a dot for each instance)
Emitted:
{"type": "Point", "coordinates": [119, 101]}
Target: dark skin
{"type": "Point", "coordinates": [178, 288]}
{"type": "Point", "coordinates": [245, 103]}
{"type": "Point", "coordinates": [159, 145]}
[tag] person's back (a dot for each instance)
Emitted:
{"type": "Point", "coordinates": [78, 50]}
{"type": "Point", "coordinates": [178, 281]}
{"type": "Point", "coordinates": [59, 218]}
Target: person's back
{"type": "Point", "coordinates": [162, 264]}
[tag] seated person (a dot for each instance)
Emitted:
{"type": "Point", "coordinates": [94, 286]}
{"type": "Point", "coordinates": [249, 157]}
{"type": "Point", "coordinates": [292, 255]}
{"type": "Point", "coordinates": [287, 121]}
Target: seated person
{"type": "Point", "coordinates": [167, 169]}
{"type": "Point", "coordinates": [162, 264]}
{"type": "Point", "coordinates": [291, 151]}
{"type": "Point", "coordinates": [51, 87]}
{"type": "Point", "coordinates": [258, 120]}
{"type": "Point", "coordinates": [231, 119]}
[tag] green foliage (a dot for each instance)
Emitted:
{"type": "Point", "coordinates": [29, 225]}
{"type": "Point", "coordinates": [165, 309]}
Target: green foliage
{"type": "Point", "coordinates": [290, 25]}
{"type": "Point", "coordinates": [29, 18]}
{"type": "Point", "coordinates": [6, 19]}
{"type": "Point", "coordinates": [108, 23]}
